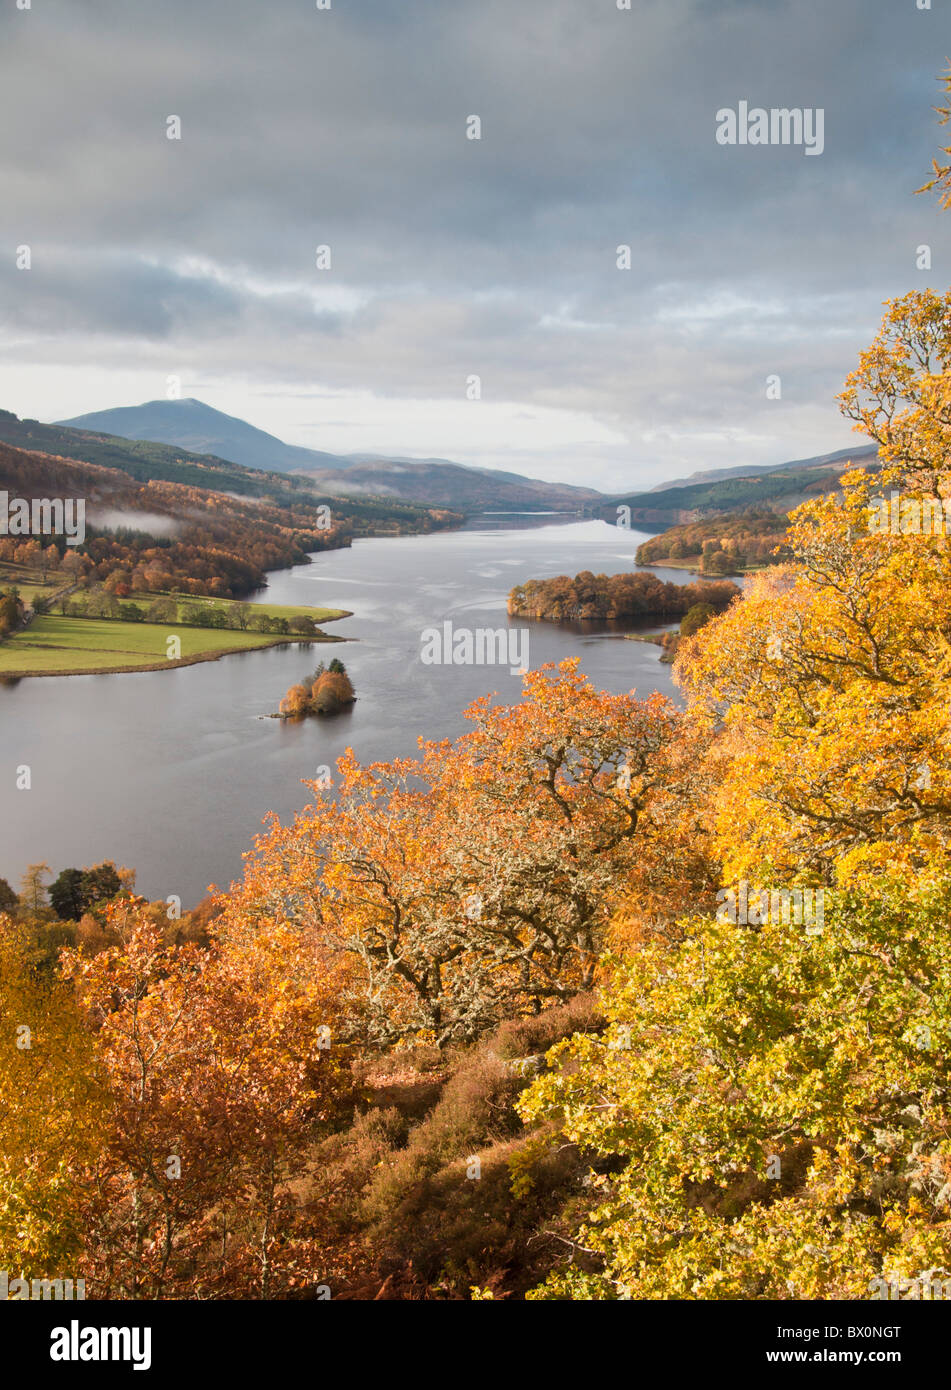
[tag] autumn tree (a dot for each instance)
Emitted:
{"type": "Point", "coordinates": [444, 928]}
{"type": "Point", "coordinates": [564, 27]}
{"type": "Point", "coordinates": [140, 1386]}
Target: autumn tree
{"type": "Point", "coordinates": [50, 1118]}
{"type": "Point", "coordinates": [33, 888]}
{"type": "Point", "coordinates": [941, 173]}
{"type": "Point", "coordinates": [772, 1093]}
{"type": "Point", "coordinates": [332, 690]}
{"type": "Point", "coordinates": [218, 1064]}
{"type": "Point", "coordinates": [327, 691]}
{"type": "Point", "coordinates": [118, 583]}
{"type": "Point", "coordinates": [773, 1108]}
{"type": "Point", "coordinates": [11, 612]}
{"type": "Point", "coordinates": [832, 676]}
{"type": "Point", "coordinates": [473, 884]}
{"type": "Point", "coordinates": [900, 393]}
{"type": "Point", "coordinates": [296, 702]}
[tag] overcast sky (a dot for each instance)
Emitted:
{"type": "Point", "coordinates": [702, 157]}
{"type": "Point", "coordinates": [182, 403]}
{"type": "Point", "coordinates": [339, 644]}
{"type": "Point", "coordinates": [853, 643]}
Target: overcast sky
{"type": "Point", "coordinates": [451, 257]}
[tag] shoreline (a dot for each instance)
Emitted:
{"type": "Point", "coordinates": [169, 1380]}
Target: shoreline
{"type": "Point", "coordinates": [196, 659]}
{"type": "Point", "coordinates": [691, 568]}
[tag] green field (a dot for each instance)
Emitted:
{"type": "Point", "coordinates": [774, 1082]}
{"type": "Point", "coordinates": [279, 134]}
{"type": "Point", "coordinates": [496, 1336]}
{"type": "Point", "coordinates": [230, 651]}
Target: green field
{"type": "Point", "coordinates": [69, 646]}
{"type": "Point", "coordinates": [29, 581]}
{"type": "Point", "coordinates": [270, 610]}
{"type": "Point", "coordinates": [692, 563]}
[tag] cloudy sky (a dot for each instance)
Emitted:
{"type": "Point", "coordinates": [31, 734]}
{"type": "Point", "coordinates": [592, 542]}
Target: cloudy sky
{"type": "Point", "coordinates": [452, 258]}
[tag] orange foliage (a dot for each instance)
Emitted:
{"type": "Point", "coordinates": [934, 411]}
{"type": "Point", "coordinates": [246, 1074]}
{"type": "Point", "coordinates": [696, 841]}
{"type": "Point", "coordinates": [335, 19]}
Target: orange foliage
{"type": "Point", "coordinates": [217, 1064]}
{"type": "Point", "coordinates": [474, 883]}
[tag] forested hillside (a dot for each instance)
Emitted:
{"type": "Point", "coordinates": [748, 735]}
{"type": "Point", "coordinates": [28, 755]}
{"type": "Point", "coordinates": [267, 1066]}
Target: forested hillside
{"type": "Point", "coordinates": [722, 544]}
{"type": "Point", "coordinates": [779, 489]}
{"type": "Point", "coordinates": [147, 461]}
{"type": "Point", "coordinates": [160, 534]}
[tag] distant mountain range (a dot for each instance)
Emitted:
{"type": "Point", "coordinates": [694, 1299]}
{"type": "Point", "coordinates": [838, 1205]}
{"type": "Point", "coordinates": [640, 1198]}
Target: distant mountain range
{"type": "Point", "coordinates": [716, 475]}
{"type": "Point", "coordinates": [780, 486]}
{"type": "Point", "coordinates": [439, 483]}
{"type": "Point", "coordinates": [228, 445]}
{"type": "Point", "coordinates": [149, 462]}
{"type": "Point", "coordinates": [192, 425]}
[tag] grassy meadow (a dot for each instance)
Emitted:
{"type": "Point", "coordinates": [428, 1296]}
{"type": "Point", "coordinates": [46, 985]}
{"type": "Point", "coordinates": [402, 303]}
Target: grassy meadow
{"type": "Point", "coordinates": [53, 646]}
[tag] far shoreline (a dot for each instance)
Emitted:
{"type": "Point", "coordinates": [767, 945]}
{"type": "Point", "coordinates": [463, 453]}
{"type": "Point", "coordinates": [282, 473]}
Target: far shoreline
{"type": "Point", "coordinates": [195, 659]}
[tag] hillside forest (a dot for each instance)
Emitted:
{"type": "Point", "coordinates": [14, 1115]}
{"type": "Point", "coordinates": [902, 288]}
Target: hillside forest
{"type": "Point", "coordinates": [158, 535]}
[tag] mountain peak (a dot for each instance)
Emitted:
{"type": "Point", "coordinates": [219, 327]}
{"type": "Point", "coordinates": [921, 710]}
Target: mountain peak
{"type": "Point", "coordinates": [201, 429]}
{"type": "Point", "coordinates": [191, 424]}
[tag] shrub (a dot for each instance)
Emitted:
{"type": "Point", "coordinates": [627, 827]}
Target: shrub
{"type": "Point", "coordinates": [423, 1201]}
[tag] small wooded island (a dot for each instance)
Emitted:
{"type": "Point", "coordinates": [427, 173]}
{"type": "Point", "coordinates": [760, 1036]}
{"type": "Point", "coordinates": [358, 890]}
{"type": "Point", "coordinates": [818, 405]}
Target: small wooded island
{"type": "Point", "coordinates": [328, 691]}
{"type": "Point", "coordinates": [634, 597]}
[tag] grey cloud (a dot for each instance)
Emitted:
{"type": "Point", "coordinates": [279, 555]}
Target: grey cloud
{"type": "Point", "coordinates": [347, 127]}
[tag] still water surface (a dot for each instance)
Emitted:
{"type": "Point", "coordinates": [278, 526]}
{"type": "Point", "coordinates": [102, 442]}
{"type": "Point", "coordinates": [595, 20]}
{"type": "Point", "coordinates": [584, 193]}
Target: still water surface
{"type": "Point", "coordinates": [172, 772]}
